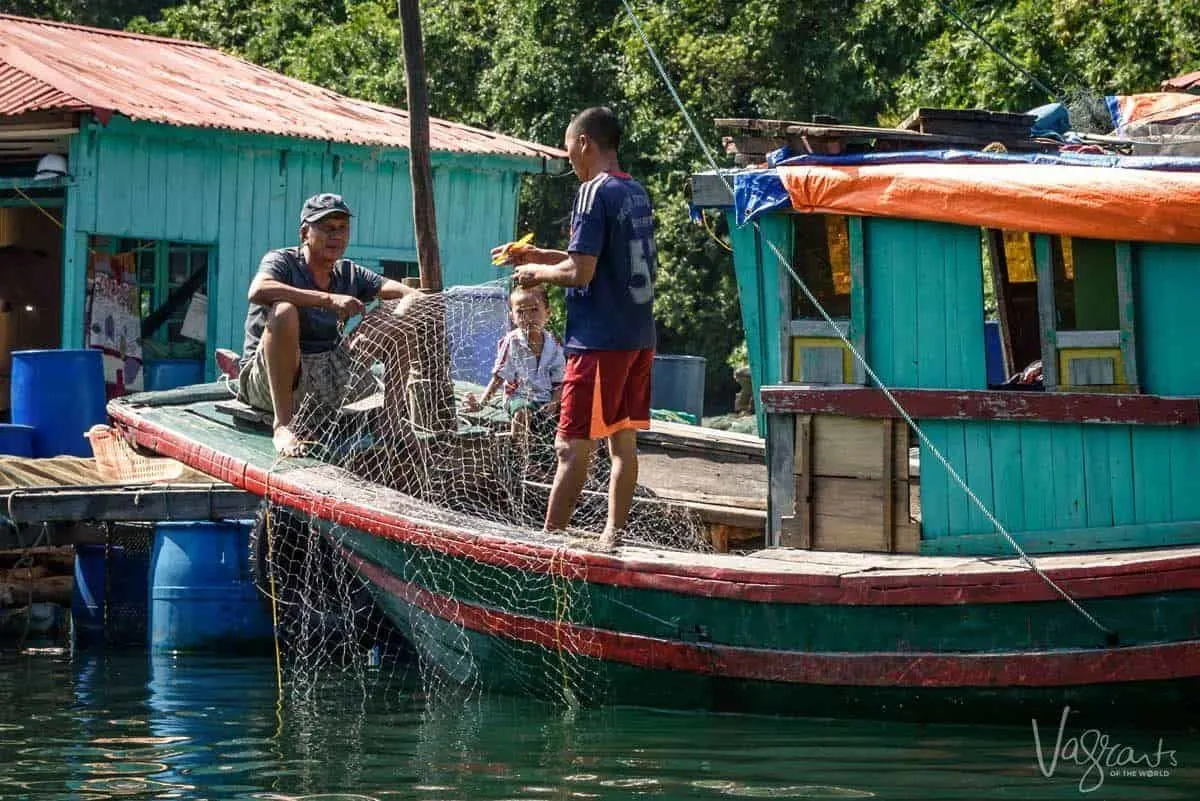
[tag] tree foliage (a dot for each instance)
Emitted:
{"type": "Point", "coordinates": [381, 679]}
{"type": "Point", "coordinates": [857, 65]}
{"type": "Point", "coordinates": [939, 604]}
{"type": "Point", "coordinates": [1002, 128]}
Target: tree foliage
{"type": "Point", "coordinates": [525, 66]}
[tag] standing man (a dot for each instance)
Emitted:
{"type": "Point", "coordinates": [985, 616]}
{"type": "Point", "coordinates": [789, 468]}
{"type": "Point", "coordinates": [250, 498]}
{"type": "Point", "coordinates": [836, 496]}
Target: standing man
{"type": "Point", "coordinates": [608, 270]}
{"type": "Point", "coordinates": [298, 300]}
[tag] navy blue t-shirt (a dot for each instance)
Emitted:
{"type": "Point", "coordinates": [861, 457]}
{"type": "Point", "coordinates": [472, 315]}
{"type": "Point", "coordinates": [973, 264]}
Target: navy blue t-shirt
{"type": "Point", "coordinates": [612, 220]}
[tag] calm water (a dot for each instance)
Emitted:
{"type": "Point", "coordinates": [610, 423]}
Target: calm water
{"type": "Point", "coordinates": [131, 726]}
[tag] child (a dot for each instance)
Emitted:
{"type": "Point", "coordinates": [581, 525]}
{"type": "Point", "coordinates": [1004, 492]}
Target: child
{"type": "Point", "coordinates": [529, 362]}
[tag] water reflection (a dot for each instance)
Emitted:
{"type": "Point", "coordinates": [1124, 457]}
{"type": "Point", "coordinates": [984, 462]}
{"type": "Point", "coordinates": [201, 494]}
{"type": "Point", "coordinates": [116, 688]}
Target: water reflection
{"type": "Point", "coordinates": [141, 726]}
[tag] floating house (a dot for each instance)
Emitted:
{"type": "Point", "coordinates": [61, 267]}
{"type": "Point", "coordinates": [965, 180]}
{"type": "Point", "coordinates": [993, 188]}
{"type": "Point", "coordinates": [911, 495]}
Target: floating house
{"type": "Point", "coordinates": [179, 166]}
{"type": "Point", "coordinates": [1090, 266]}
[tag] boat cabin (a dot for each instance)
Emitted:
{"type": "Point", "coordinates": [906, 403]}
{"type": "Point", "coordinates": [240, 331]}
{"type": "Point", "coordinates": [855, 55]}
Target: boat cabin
{"type": "Point", "coordinates": [937, 267]}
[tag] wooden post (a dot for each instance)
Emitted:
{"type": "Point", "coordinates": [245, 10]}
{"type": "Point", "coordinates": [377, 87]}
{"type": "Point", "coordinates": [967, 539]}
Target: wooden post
{"type": "Point", "coordinates": [437, 396]}
{"type": "Point", "coordinates": [424, 220]}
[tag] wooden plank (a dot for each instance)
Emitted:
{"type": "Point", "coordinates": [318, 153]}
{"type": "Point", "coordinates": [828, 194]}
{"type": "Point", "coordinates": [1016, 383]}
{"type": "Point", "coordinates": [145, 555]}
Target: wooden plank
{"type": "Point", "coordinates": [151, 503]}
{"type": "Point", "coordinates": [1152, 474]}
{"type": "Point", "coordinates": [847, 514]}
{"type": "Point", "coordinates": [1097, 482]}
{"type": "Point", "coordinates": [1047, 327]}
{"type": "Point", "coordinates": [977, 445]}
{"type": "Point", "coordinates": [1120, 467]}
{"type": "Point", "coordinates": [953, 404]}
{"type": "Point", "coordinates": [887, 461]}
{"type": "Point", "coordinates": [1089, 339]}
{"type": "Point", "coordinates": [931, 279]}
{"type": "Point", "coordinates": [1037, 466]}
{"type": "Point", "coordinates": [680, 436]}
{"type": "Point", "coordinates": [818, 328]}
{"type": "Point", "coordinates": [849, 447]}
{"type": "Point", "coordinates": [710, 190]}
{"type": "Point", "coordinates": [1070, 491]}
{"type": "Point", "coordinates": [1008, 493]}
{"type": "Point", "coordinates": [858, 295]}
{"type": "Point", "coordinates": [803, 482]}
{"type": "Point", "coordinates": [1102, 538]}
{"type": "Point", "coordinates": [781, 494]}
{"type": "Point", "coordinates": [1127, 311]}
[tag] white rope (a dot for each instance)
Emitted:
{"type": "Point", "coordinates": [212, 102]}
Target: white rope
{"type": "Point", "coordinates": [1110, 635]}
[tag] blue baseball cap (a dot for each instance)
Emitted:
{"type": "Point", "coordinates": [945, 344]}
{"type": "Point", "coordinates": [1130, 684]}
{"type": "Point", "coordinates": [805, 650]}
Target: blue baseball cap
{"type": "Point", "coordinates": [322, 205]}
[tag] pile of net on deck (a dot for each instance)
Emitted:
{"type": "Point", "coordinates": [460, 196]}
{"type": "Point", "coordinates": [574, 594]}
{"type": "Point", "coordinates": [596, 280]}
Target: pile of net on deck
{"type": "Point", "coordinates": [402, 439]}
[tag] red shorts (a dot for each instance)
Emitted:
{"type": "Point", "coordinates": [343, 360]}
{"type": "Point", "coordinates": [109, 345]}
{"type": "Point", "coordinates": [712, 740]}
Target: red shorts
{"type": "Point", "coordinates": [605, 391]}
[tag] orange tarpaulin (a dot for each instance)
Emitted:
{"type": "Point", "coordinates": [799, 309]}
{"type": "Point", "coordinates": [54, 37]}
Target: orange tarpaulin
{"type": "Point", "coordinates": [1097, 202]}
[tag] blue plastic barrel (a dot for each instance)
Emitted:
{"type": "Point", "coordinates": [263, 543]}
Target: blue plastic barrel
{"type": "Point", "coordinates": [202, 596]}
{"type": "Point", "coordinates": [993, 353]}
{"type": "Point", "coordinates": [61, 394]}
{"type": "Point", "coordinates": [108, 601]}
{"type": "Point", "coordinates": [170, 373]}
{"type": "Point", "coordinates": [16, 440]}
{"type": "Point", "coordinates": [677, 384]}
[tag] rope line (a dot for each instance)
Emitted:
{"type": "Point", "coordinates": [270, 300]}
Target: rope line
{"type": "Point", "coordinates": [1110, 635]}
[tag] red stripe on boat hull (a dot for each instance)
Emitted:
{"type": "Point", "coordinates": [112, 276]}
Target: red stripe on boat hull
{"type": "Point", "coordinates": [1168, 574]}
{"type": "Point", "coordinates": [917, 670]}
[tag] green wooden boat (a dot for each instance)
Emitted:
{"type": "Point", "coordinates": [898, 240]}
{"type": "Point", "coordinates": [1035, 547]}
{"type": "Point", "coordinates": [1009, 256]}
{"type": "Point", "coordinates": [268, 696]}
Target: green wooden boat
{"type": "Point", "coordinates": [878, 587]}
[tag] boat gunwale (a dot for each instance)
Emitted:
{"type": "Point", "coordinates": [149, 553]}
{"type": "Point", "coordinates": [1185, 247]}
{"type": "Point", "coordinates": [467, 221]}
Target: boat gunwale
{"type": "Point", "coordinates": [1161, 570]}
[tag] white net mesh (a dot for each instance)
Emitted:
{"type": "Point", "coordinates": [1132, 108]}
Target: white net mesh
{"type": "Point", "coordinates": [407, 444]}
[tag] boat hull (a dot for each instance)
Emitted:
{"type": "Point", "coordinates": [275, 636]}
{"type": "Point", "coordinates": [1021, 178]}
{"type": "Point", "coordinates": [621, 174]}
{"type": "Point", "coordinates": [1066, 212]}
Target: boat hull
{"type": "Point", "coordinates": [493, 633]}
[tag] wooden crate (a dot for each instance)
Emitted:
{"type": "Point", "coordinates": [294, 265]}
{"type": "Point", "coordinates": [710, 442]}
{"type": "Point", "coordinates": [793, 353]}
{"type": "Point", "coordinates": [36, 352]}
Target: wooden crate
{"type": "Point", "coordinates": [852, 486]}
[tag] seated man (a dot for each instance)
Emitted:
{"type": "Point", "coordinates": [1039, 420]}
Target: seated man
{"type": "Point", "coordinates": [298, 300]}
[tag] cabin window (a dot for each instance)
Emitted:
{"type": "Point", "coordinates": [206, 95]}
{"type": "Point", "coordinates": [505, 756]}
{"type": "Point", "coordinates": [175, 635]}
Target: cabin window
{"type": "Point", "coordinates": [822, 247]}
{"type": "Point", "coordinates": [167, 275]}
{"type": "Point", "coordinates": [1059, 300]}
{"type": "Point", "coordinates": [398, 270]}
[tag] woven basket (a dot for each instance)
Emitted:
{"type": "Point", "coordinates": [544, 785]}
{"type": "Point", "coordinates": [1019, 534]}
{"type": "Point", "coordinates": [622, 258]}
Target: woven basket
{"type": "Point", "coordinates": [119, 463]}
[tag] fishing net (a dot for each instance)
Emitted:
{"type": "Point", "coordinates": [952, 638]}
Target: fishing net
{"type": "Point", "coordinates": [404, 439]}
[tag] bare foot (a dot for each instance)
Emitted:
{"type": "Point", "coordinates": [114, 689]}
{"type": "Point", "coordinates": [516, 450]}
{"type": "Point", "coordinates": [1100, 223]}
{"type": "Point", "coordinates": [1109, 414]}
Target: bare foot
{"type": "Point", "coordinates": [610, 539]}
{"type": "Point", "coordinates": [286, 443]}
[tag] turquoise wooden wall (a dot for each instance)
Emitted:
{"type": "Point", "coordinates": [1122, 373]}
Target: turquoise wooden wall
{"type": "Point", "coordinates": [1167, 296]}
{"type": "Point", "coordinates": [924, 304]}
{"type": "Point", "coordinates": [761, 295]}
{"type": "Point", "coordinates": [242, 193]}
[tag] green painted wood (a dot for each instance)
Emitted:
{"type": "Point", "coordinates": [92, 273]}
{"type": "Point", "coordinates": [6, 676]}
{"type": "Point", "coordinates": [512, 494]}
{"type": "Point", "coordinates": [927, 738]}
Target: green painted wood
{"type": "Point", "coordinates": [747, 261]}
{"type": "Point", "coordinates": [935, 481]}
{"type": "Point", "coordinates": [858, 296]}
{"type": "Point", "coordinates": [1097, 477]}
{"type": "Point", "coordinates": [1102, 538]}
{"type": "Point", "coordinates": [1168, 283]}
{"type": "Point", "coordinates": [1120, 471]}
{"type": "Point", "coordinates": [1008, 499]}
{"type": "Point", "coordinates": [775, 238]}
{"type": "Point", "coordinates": [1069, 490]}
{"type": "Point", "coordinates": [1127, 312]}
{"type": "Point", "coordinates": [1037, 468]}
{"type": "Point", "coordinates": [1152, 474]}
{"type": "Point", "coordinates": [841, 628]}
{"type": "Point", "coordinates": [1185, 475]}
{"type": "Point", "coordinates": [924, 304]}
{"type": "Point", "coordinates": [1047, 318]}
{"type": "Point", "coordinates": [980, 477]}
{"type": "Point", "coordinates": [1095, 285]}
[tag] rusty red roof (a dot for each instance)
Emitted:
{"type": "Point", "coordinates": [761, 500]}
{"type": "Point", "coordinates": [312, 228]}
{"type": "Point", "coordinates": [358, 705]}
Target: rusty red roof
{"type": "Point", "coordinates": [51, 66]}
{"type": "Point", "coordinates": [1182, 83]}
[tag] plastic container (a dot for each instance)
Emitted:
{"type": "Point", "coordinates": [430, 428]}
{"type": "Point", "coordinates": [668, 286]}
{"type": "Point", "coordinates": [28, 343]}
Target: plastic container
{"type": "Point", "coordinates": [476, 319]}
{"type": "Point", "coordinates": [677, 384]}
{"type": "Point", "coordinates": [60, 393]}
{"type": "Point", "coordinates": [16, 440]}
{"type": "Point", "coordinates": [108, 602]}
{"type": "Point", "coordinates": [159, 374]}
{"type": "Point", "coordinates": [202, 596]}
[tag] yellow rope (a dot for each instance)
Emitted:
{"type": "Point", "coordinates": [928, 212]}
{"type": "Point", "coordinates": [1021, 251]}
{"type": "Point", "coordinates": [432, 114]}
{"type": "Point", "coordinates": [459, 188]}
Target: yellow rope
{"type": "Point", "coordinates": [713, 234]}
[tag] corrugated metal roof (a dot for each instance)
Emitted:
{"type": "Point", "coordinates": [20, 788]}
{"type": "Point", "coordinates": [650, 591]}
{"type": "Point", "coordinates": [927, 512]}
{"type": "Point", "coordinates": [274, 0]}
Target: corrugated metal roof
{"type": "Point", "coordinates": [1188, 82]}
{"type": "Point", "coordinates": [54, 66]}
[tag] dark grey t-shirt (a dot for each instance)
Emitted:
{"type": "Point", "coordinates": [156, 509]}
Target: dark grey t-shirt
{"type": "Point", "coordinates": [318, 327]}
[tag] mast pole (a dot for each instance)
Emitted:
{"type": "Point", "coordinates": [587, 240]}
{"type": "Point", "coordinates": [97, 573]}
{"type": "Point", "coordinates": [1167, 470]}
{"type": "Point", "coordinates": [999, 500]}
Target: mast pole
{"type": "Point", "coordinates": [429, 262]}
